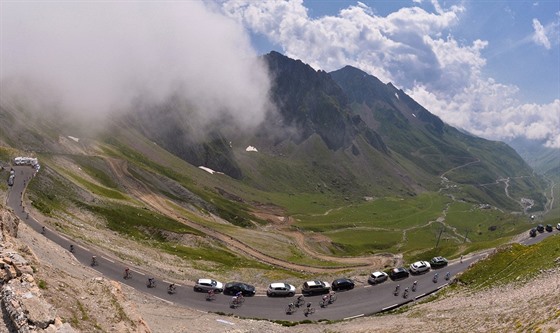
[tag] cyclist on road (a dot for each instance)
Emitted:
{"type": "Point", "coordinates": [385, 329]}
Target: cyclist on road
{"type": "Point", "coordinates": [93, 260]}
{"type": "Point", "coordinates": [308, 310]}
{"type": "Point", "coordinates": [127, 273]}
{"type": "Point", "coordinates": [291, 308]}
{"type": "Point", "coordinates": [172, 288]}
{"type": "Point", "coordinates": [238, 298]}
{"type": "Point", "coordinates": [435, 278]}
{"type": "Point", "coordinates": [414, 285]}
{"type": "Point", "coordinates": [397, 289]}
{"type": "Point", "coordinates": [447, 276]}
{"type": "Point", "coordinates": [71, 248]}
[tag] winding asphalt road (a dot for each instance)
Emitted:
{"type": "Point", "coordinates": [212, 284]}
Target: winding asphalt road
{"type": "Point", "coordinates": [361, 301]}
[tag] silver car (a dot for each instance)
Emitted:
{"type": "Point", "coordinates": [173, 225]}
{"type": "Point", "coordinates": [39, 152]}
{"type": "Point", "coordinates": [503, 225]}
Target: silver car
{"type": "Point", "coordinates": [377, 277]}
{"type": "Point", "coordinates": [280, 289]}
{"type": "Point", "coordinates": [208, 284]}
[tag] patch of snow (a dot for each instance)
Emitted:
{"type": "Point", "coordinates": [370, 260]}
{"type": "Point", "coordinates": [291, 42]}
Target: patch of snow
{"type": "Point", "coordinates": [414, 115]}
{"type": "Point", "coordinates": [397, 96]}
{"type": "Point", "coordinates": [210, 171]}
{"type": "Point", "coordinates": [251, 148]}
{"type": "Point", "coordinates": [74, 138]}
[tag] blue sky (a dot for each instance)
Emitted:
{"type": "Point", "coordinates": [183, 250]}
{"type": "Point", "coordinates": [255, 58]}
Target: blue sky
{"type": "Point", "coordinates": [490, 67]}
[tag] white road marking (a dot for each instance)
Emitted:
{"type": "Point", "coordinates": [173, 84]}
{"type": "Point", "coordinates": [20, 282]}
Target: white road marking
{"type": "Point", "coordinates": [390, 306]}
{"type": "Point", "coordinates": [442, 286]}
{"type": "Point", "coordinates": [166, 301]}
{"type": "Point", "coordinates": [353, 317]}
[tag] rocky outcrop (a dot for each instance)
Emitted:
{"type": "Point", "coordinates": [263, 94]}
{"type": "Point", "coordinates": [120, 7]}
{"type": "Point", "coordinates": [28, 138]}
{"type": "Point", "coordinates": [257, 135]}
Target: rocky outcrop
{"type": "Point", "coordinates": [8, 225]}
{"type": "Point", "coordinates": [23, 307]}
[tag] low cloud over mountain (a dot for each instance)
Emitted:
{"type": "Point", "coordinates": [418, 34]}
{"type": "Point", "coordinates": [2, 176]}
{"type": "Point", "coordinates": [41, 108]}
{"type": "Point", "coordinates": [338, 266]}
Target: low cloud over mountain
{"type": "Point", "coordinates": [94, 58]}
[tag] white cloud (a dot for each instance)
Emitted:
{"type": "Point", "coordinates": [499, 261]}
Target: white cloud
{"type": "Point", "coordinates": [412, 48]}
{"type": "Point", "coordinates": [394, 48]}
{"type": "Point", "coordinates": [99, 55]}
{"type": "Point", "coordinates": [547, 35]}
{"type": "Point", "coordinates": [539, 36]}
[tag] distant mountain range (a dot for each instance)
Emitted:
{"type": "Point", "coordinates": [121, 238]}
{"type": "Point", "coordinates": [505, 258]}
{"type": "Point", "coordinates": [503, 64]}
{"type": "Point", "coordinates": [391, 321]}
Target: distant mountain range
{"type": "Point", "coordinates": [542, 159]}
{"type": "Point", "coordinates": [343, 133]}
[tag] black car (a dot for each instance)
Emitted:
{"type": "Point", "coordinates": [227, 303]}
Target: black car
{"type": "Point", "coordinates": [437, 262]}
{"type": "Point", "coordinates": [533, 232]}
{"type": "Point", "coordinates": [233, 288]}
{"type": "Point", "coordinates": [342, 284]}
{"type": "Point", "coordinates": [548, 227]}
{"type": "Point", "coordinates": [399, 273]}
{"type": "Point", "coordinates": [540, 228]}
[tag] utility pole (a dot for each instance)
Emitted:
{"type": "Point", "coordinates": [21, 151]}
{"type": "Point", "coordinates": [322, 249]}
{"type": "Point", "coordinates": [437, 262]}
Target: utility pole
{"type": "Point", "coordinates": [439, 236]}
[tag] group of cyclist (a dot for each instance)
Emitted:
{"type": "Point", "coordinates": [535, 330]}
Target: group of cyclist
{"type": "Point", "coordinates": [415, 285]}
{"type": "Point", "coordinates": [328, 299]}
{"type": "Point", "coordinates": [300, 301]}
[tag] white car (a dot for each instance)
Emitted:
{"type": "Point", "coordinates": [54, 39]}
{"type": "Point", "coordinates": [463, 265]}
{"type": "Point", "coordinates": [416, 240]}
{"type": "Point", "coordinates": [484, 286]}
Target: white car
{"type": "Point", "coordinates": [558, 226]}
{"type": "Point", "coordinates": [280, 289]}
{"type": "Point", "coordinates": [377, 277]}
{"type": "Point", "coordinates": [208, 284]}
{"type": "Point", "coordinates": [420, 267]}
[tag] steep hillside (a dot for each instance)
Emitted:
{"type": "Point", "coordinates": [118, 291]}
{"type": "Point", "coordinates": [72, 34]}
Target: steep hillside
{"type": "Point", "coordinates": [544, 160]}
{"type": "Point", "coordinates": [427, 143]}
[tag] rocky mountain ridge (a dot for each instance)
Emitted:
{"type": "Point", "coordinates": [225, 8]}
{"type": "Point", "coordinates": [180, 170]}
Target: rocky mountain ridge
{"type": "Point", "coordinates": [357, 130]}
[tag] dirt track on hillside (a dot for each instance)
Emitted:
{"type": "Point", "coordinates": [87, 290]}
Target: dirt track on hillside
{"type": "Point", "coordinates": [160, 204]}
